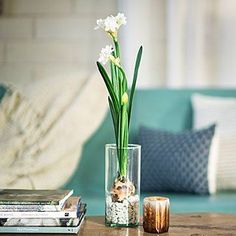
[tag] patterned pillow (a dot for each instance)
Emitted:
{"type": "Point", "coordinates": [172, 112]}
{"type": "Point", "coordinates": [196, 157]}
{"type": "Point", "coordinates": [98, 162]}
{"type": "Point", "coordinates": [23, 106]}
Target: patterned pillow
{"type": "Point", "coordinates": [178, 162]}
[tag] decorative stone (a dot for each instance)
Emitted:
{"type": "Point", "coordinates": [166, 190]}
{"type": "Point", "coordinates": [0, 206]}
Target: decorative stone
{"type": "Point", "coordinates": [123, 213]}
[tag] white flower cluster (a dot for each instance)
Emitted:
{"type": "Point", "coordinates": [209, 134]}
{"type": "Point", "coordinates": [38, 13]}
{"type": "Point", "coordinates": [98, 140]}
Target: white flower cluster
{"type": "Point", "coordinates": [105, 54]}
{"type": "Point", "coordinates": [111, 24]}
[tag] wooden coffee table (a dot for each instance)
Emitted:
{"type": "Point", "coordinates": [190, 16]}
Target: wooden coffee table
{"type": "Point", "coordinates": [180, 224]}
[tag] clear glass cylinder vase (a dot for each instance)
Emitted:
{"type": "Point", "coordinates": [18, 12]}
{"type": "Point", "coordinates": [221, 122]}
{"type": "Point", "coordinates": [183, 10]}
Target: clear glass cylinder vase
{"type": "Point", "coordinates": [122, 192]}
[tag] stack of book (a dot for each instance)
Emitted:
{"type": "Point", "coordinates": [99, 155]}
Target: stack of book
{"type": "Point", "coordinates": [40, 211]}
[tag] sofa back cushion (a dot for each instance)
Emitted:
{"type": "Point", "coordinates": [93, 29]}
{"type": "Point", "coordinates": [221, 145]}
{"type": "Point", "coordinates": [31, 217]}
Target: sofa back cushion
{"type": "Point", "coordinates": [168, 109]}
{"type": "Point", "coordinates": [222, 111]}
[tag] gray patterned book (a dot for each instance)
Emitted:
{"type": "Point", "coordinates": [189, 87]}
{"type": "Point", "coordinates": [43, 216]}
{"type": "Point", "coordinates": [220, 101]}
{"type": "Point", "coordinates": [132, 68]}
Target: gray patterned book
{"type": "Point", "coordinates": [34, 197]}
{"type": "Point", "coordinates": [69, 210]}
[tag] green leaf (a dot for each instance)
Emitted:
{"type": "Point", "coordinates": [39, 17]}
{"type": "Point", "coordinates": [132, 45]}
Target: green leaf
{"type": "Point", "coordinates": [113, 76]}
{"type": "Point", "coordinates": [135, 76]}
{"type": "Point", "coordinates": [120, 86]}
{"type": "Point", "coordinates": [123, 122]}
{"type": "Point", "coordinates": [109, 86]}
{"type": "Point", "coordinates": [114, 118]}
{"type": "Point", "coordinates": [126, 128]}
{"type": "Point", "coordinates": [119, 144]}
{"type": "Point", "coordinates": [125, 145]}
{"type": "Point", "coordinates": [124, 85]}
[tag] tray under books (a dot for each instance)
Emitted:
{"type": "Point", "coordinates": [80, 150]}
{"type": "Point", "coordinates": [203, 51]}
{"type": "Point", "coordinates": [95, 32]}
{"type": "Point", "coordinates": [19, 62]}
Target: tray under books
{"type": "Point", "coordinates": [44, 229]}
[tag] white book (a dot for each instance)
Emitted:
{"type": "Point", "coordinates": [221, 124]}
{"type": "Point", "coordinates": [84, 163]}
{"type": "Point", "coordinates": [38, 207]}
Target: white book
{"type": "Point", "coordinates": [33, 200]}
{"type": "Point", "coordinates": [69, 210]}
{"type": "Point", "coordinates": [30, 208]}
{"type": "Point", "coordinates": [53, 214]}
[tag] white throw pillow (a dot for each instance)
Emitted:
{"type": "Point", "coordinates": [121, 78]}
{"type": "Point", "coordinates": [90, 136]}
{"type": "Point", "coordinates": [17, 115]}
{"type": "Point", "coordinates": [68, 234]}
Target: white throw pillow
{"type": "Point", "coordinates": [222, 111]}
{"type": "Point", "coordinates": [43, 128]}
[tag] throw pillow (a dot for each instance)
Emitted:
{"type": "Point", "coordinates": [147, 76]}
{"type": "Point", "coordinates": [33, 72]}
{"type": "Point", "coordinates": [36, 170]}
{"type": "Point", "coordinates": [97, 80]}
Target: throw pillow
{"type": "Point", "coordinates": [43, 129]}
{"type": "Point", "coordinates": [178, 162]}
{"type": "Point", "coordinates": [207, 109]}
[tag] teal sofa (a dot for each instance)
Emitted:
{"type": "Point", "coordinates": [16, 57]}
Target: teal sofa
{"type": "Point", "coordinates": [159, 108]}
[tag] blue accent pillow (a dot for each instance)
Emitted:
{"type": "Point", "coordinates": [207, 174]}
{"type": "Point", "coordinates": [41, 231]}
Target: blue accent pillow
{"type": "Point", "coordinates": [175, 162]}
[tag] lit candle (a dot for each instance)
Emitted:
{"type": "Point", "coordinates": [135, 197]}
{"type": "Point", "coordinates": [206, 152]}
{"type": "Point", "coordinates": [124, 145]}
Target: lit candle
{"type": "Point", "coordinates": [156, 214]}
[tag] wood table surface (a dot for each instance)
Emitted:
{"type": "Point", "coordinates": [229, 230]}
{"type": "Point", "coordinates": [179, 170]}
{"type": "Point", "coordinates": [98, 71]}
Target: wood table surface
{"type": "Point", "coordinates": [180, 224]}
{"type": "Point", "coordinates": [195, 224]}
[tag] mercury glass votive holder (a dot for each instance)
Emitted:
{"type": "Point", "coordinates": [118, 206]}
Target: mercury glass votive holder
{"type": "Point", "coordinates": [156, 214]}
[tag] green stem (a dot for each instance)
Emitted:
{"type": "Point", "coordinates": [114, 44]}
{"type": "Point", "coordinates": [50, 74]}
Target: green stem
{"type": "Point", "coordinates": [114, 79]}
{"type": "Point", "coordinates": [117, 48]}
{"type": "Point", "coordinates": [123, 117]}
{"type": "Point", "coordinates": [118, 74]}
{"type": "Point", "coordinates": [123, 140]}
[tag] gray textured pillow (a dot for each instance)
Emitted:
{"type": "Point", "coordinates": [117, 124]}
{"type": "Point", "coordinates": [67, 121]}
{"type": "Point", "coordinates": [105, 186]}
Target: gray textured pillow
{"type": "Point", "coordinates": [177, 162]}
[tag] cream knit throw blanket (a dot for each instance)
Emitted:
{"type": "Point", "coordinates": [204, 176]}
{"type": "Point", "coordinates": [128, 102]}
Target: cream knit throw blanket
{"type": "Point", "coordinates": [43, 129]}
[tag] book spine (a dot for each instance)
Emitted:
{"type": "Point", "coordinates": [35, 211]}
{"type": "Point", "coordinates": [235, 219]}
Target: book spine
{"type": "Point", "coordinates": [39, 230]}
{"type": "Point", "coordinates": [29, 202]}
{"type": "Point", "coordinates": [26, 208]}
{"type": "Point", "coordinates": [59, 214]}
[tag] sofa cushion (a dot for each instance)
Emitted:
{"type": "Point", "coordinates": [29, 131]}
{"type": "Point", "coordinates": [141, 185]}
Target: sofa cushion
{"type": "Point", "coordinates": [208, 109]}
{"type": "Point", "coordinates": [168, 109]}
{"type": "Point", "coordinates": [177, 162]}
{"type": "Point", "coordinates": [180, 203]}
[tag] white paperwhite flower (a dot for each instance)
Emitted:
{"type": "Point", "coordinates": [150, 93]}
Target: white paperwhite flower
{"type": "Point", "coordinates": [121, 19]}
{"type": "Point", "coordinates": [105, 54]}
{"type": "Point", "coordinates": [100, 24]}
{"type": "Point", "coordinates": [109, 24]}
{"type": "Point", "coordinates": [112, 23]}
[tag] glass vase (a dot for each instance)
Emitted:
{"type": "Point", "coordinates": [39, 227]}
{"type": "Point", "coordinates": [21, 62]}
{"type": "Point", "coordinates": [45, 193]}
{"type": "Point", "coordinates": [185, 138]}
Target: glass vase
{"type": "Point", "coordinates": [122, 193]}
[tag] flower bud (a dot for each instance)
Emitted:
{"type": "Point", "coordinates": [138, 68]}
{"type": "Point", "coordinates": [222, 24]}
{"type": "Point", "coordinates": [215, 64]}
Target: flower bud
{"type": "Point", "coordinates": [125, 98]}
{"type": "Point", "coordinates": [115, 61]}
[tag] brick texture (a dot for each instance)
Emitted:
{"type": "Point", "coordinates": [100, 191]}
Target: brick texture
{"type": "Point", "coordinates": [64, 28]}
{"type": "Point", "coordinates": [16, 74]}
{"type": "Point", "coordinates": [15, 28]}
{"type": "Point", "coordinates": [35, 7]}
{"type": "Point", "coordinates": [40, 38]}
{"type": "Point", "coordinates": [1, 52]}
{"type": "Point", "coordinates": [45, 52]}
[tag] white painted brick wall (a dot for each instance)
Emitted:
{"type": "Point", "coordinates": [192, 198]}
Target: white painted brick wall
{"type": "Point", "coordinates": [99, 8]}
{"type": "Point", "coordinates": [45, 52]}
{"type": "Point", "coordinates": [62, 70]}
{"type": "Point", "coordinates": [64, 28]}
{"type": "Point", "coordinates": [36, 7]}
{"type": "Point", "coordinates": [41, 38]}
{"type": "Point", "coordinates": [1, 52]}
{"type": "Point", "coordinates": [15, 28]}
{"type": "Point", "coordinates": [16, 74]}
